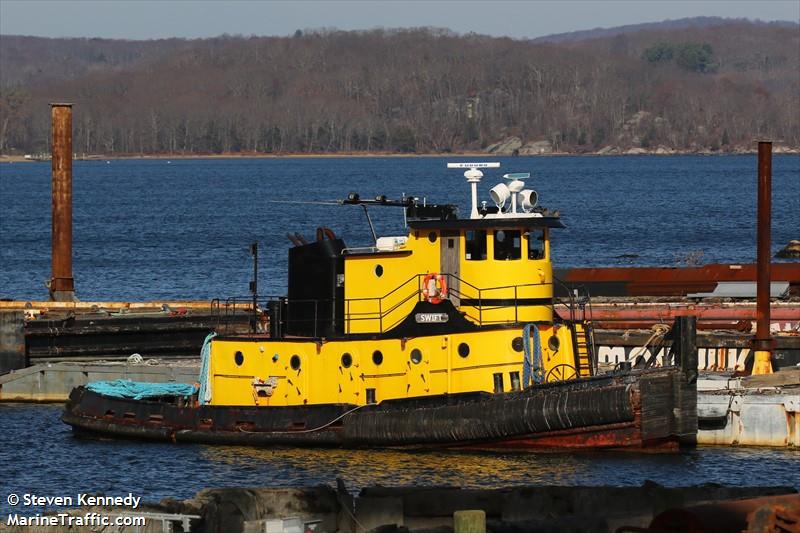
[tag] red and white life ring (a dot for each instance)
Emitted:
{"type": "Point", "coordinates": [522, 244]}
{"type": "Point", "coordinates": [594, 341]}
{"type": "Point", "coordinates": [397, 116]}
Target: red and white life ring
{"type": "Point", "coordinates": [434, 288]}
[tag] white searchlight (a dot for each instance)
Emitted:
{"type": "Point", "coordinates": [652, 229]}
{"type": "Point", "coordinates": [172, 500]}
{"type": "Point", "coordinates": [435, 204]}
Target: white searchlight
{"type": "Point", "coordinates": [500, 194]}
{"type": "Point", "coordinates": [528, 199]}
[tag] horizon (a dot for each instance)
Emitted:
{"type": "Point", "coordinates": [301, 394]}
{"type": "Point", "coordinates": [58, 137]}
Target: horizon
{"type": "Point", "coordinates": [331, 29]}
{"type": "Point", "coordinates": [147, 20]}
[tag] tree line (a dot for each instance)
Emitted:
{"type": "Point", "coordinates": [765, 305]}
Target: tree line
{"type": "Point", "coordinates": [412, 91]}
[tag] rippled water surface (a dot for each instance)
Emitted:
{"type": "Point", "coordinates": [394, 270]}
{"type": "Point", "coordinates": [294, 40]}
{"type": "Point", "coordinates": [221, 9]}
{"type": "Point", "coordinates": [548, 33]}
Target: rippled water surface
{"type": "Point", "coordinates": [41, 456]}
{"type": "Point", "coordinates": [180, 229]}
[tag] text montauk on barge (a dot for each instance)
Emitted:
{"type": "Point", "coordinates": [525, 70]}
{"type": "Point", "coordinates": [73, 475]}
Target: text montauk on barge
{"type": "Point", "coordinates": [448, 335]}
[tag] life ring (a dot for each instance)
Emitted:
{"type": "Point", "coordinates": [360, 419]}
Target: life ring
{"type": "Point", "coordinates": [434, 288]}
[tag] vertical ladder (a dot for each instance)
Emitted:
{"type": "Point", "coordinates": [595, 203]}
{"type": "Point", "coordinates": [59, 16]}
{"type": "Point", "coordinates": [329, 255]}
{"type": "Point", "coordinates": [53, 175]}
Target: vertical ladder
{"type": "Point", "coordinates": [584, 348]}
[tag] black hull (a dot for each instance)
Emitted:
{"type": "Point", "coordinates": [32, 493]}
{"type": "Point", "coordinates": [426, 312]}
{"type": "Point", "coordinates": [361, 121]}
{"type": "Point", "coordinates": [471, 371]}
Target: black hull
{"type": "Point", "coordinates": [653, 408]}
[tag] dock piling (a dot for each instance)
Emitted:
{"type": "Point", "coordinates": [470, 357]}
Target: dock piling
{"type": "Point", "coordinates": [473, 521]}
{"type": "Point", "coordinates": [61, 284]}
{"type": "Point", "coordinates": [762, 344]}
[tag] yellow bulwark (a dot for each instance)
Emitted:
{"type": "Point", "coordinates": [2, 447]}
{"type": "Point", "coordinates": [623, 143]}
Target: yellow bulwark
{"type": "Point", "coordinates": [395, 341]}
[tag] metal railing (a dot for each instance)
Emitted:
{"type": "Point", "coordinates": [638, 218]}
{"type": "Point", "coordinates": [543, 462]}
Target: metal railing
{"type": "Point", "coordinates": [387, 310]}
{"type": "Point", "coordinates": [577, 301]}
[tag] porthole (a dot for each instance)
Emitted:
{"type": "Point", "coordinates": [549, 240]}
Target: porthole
{"type": "Point", "coordinates": [553, 343]}
{"type": "Point", "coordinates": [416, 356]}
{"type": "Point", "coordinates": [347, 360]}
{"type": "Point", "coordinates": [463, 349]}
{"type": "Point", "coordinates": [238, 358]}
{"type": "Point", "coordinates": [516, 344]}
{"type": "Point", "coordinates": [432, 236]}
{"type": "Point", "coordinates": [379, 270]}
{"type": "Point", "coordinates": [294, 362]}
{"type": "Point", "coordinates": [377, 357]}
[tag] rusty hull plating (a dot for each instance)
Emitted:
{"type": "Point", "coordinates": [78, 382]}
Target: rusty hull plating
{"type": "Point", "coordinates": [61, 284]}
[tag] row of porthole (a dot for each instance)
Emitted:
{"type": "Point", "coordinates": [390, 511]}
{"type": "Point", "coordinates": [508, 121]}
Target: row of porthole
{"type": "Point", "coordinates": [415, 356]}
{"type": "Point", "coordinates": [347, 360]}
{"type": "Point", "coordinates": [294, 361]}
{"type": "Point", "coordinates": [553, 343]}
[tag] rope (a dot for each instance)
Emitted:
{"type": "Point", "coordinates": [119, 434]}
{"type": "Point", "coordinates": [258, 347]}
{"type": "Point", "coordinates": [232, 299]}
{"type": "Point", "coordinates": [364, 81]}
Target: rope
{"type": "Point", "coordinates": [659, 330]}
{"type": "Point", "coordinates": [347, 502]}
{"type": "Point", "coordinates": [137, 359]}
{"type": "Point", "coordinates": [323, 426]}
{"type": "Point", "coordinates": [532, 366]}
{"type": "Point", "coordinates": [204, 396]}
{"type": "Point", "coordinates": [353, 516]}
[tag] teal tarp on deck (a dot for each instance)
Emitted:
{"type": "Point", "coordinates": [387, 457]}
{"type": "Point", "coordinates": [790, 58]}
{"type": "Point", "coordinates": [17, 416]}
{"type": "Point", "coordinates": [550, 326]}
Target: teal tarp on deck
{"type": "Point", "coordinates": [137, 390]}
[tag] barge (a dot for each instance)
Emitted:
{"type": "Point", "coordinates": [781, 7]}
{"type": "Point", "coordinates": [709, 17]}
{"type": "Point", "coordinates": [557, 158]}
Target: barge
{"type": "Point", "coordinates": [446, 337]}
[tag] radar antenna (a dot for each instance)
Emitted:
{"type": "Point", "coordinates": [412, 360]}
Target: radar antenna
{"type": "Point", "coordinates": [473, 176]}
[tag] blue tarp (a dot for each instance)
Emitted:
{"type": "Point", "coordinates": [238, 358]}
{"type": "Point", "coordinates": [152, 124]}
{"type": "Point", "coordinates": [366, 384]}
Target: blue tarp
{"type": "Point", "coordinates": [205, 361]}
{"type": "Point", "coordinates": [125, 388]}
{"type": "Point", "coordinates": [532, 368]}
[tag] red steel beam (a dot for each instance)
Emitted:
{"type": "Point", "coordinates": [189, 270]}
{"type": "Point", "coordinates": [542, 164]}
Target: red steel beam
{"type": "Point", "coordinates": [706, 313]}
{"type": "Point", "coordinates": [713, 272]}
{"type": "Point", "coordinates": [744, 326]}
{"type": "Point", "coordinates": [677, 281]}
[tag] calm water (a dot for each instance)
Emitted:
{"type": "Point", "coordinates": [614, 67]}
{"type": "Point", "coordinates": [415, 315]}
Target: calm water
{"type": "Point", "coordinates": [157, 230]}
{"type": "Point", "coordinates": [180, 229]}
{"type": "Point", "coordinates": [41, 456]}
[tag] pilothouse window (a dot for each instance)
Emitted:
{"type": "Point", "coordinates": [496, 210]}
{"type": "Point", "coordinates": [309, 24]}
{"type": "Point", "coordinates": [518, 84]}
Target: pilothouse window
{"type": "Point", "coordinates": [536, 244]}
{"type": "Point", "coordinates": [507, 244]}
{"type": "Point", "coordinates": [475, 249]}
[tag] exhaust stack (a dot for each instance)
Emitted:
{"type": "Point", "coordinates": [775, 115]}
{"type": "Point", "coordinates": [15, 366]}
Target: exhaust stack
{"type": "Point", "coordinates": [61, 284]}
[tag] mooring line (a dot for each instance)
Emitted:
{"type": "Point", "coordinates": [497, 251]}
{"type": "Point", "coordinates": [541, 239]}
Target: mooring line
{"type": "Point", "coordinates": [356, 408]}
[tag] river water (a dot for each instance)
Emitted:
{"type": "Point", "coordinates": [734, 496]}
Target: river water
{"type": "Point", "coordinates": [40, 456]}
{"type": "Point", "coordinates": [157, 229]}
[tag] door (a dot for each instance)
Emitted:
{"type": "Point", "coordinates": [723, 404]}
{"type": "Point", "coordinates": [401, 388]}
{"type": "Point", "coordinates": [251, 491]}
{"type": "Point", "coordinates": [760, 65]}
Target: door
{"type": "Point", "coordinates": [451, 263]}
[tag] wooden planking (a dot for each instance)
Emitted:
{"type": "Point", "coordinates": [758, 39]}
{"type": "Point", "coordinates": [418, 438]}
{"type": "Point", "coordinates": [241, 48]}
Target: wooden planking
{"type": "Point", "coordinates": [785, 377]}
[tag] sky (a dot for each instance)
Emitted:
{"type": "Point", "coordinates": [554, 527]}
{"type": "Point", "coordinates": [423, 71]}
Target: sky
{"type": "Point", "coordinates": [152, 19]}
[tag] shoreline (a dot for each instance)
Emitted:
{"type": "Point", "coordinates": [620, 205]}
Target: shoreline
{"type": "Point", "coordinates": [366, 155]}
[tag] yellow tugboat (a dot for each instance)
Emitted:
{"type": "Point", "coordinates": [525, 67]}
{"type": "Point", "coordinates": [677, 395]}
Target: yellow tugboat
{"type": "Point", "coordinates": [445, 336]}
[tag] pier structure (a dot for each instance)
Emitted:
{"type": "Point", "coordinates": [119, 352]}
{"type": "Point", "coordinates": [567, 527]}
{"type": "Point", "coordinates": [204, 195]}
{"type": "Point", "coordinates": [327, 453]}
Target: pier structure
{"type": "Point", "coordinates": [417, 509]}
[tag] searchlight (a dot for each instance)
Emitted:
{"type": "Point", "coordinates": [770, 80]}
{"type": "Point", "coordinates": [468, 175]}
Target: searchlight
{"type": "Point", "coordinates": [528, 199]}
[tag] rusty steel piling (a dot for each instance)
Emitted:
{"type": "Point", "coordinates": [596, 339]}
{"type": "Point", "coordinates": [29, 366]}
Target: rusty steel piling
{"type": "Point", "coordinates": [61, 284]}
{"type": "Point", "coordinates": [762, 344]}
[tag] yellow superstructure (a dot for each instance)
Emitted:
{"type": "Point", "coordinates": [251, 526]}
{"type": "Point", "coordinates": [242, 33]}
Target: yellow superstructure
{"type": "Point", "coordinates": [344, 371]}
{"type": "Point", "coordinates": [376, 333]}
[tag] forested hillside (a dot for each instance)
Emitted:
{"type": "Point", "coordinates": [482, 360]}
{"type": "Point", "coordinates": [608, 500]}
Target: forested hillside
{"type": "Point", "coordinates": [417, 90]}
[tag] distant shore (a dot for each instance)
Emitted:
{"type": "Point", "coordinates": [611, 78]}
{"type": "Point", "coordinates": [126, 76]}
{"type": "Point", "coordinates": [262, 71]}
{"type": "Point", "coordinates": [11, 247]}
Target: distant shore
{"type": "Point", "coordinates": [298, 155]}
